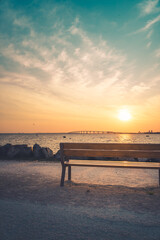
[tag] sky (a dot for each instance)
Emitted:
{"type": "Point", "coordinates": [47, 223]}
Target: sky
{"type": "Point", "coordinates": [74, 65]}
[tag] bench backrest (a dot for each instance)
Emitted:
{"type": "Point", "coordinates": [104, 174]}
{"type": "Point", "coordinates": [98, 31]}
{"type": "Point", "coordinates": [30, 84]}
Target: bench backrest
{"type": "Point", "coordinates": [129, 150]}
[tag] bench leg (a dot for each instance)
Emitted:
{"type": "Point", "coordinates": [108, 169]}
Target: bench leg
{"type": "Point", "coordinates": [69, 173]}
{"type": "Point", "coordinates": [159, 176]}
{"type": "Point", "coordinates": [63, 176]}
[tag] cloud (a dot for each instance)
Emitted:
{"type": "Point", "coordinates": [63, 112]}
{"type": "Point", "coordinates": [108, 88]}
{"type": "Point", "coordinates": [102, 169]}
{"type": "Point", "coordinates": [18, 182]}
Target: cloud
{"type": "Point", "coordinates": [67, 62]}
{"type": "Point", "coordinates": [150, 23]}
{"type": "Point", "coordinates": [149, 34]}
{"type": "Point", "coordinates": [148, 27]}
{"type": "Point", "coordinates": [157, 53]}
{"type": "Point", "coordinates": [149, 7]}
{"type": "Point", "coordinates": [146, 8]}
{"type": "Point", "coordinates": [149, 44]}
{"type": "Point", "coordinates": [22, 22]}
{"type": "Point", "coordinates": [140, 88]}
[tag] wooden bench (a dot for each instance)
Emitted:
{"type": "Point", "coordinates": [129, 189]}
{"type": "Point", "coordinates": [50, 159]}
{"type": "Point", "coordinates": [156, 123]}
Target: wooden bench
{"type": "Point", "coordinates": [70, 151]}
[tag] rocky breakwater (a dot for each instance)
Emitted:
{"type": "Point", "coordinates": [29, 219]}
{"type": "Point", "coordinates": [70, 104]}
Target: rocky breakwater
{"type": "Point", "coordinates": [23, 151]}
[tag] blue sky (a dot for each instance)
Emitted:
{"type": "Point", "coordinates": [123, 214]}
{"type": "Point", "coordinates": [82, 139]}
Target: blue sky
{"type": "Point", "coordinates": [80, 61]}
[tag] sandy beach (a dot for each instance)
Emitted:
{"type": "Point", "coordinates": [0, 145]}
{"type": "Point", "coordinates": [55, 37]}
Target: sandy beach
{"type": "Point", "coordinates": [97, 204]}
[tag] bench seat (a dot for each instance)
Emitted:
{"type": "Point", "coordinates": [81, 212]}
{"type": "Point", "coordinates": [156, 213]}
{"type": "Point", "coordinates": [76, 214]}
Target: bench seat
{"type": "Point", "coordinates": [118, 164]}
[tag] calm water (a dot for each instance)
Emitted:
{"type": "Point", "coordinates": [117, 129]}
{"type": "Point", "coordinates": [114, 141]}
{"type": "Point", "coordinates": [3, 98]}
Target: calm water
{"type": "Point", "coordinates": [52, 140]}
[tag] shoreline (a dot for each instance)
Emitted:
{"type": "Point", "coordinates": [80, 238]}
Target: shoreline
{"type": "Point", "coordinates": [39, 180]}
{"type": "Point", "coordinates": [34, 206]}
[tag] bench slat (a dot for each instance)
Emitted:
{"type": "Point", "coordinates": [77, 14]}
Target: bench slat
{"type": "Point", "coordinates": [112, 153]}
{"type": "Point", "coordinates": [119, 164]}
{"type": "Point", "coordinates": [111, 146]}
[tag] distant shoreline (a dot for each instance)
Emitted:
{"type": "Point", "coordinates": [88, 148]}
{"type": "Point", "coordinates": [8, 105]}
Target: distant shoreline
{"type": "Point", "coordinates": [84, 132]}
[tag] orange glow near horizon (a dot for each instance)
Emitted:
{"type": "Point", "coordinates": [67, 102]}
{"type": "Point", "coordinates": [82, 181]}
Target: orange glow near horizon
{"type": "Point", "coordinates": [27, 113]}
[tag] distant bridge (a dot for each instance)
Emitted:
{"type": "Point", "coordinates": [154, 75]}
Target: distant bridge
{"type": "Point", "coordinates": [90, 132]}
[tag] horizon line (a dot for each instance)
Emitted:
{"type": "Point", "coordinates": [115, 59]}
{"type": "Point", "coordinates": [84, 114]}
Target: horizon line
{"type": "Point", "coordinates": [84, 132]}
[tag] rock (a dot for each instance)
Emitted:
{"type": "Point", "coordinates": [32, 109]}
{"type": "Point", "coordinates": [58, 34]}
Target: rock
{"type": "Point", "coordinates": [22, 151]}
{"type": "Point", "coordinates": [41, 152]}
{"type": "Point", "coordinates": [4, 149]}
{"type": "Point", "coordinates": [9, 151]}
{"type": "Point", "coordinates": [19, 151]}
{"type": "Point", "coordinates": [25, 151]}
{"type": "Point", "coordinates": [37, 151]}
{"type": "Point", "coordinates": [47, 152]}
{"type": "Point", "coordinates": [57, 156]}
{"type": "Point", "coordinates": [13, 152]}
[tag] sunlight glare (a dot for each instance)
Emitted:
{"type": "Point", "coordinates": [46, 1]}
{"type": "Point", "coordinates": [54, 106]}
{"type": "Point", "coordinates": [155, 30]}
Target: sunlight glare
{"type": "Point", "coordinates": [124, 115]}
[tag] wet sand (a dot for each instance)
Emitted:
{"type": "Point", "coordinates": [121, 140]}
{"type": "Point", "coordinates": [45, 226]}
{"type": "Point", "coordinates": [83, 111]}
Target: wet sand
{"type": "Point", "coordinates": [33, 206]}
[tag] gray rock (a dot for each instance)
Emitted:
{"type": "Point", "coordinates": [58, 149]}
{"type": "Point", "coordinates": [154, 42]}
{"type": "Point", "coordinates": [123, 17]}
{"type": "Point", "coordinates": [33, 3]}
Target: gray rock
{"type": "Point", "coordinates": [37, 152]}
{"type": "Point", "coordinates": [19, 151]}
{"type": "Point", "coordinates": [47, 152]}
{"type": "Point", "coordinates": [9, 151]}
{"type": "Point", "coordinates": [26, 152]}
{"type": "Point", "coordinates": [22, 151]}
{"type": "Point", "coordinates": [13, 152]}
{"type": "Point", "coordinates": [42, 152]}
{"type": "Point", "coordinates": [4, 149]}
{"type": "Point", "coordinates": [57, 156]}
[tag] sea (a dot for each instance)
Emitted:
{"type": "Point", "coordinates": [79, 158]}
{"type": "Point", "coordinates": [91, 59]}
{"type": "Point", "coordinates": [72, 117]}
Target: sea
{"type": "Point", "coordinates": [53, 140]}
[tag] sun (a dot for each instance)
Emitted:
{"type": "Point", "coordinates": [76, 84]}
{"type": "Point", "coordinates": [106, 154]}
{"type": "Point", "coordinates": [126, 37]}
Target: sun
{"type": "Point", "coordinates": [124, 115]}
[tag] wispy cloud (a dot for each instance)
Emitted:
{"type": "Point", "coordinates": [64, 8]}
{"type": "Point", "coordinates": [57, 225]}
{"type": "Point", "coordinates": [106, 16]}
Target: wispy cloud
{"type": "Point", "coordinates": [149, 44]}
{"type": "Point", "coordinates": [68, 62]}
{"type": "Point", "coordinates": [150, 23]}
{"type": "Point", "coordinates": [148, 27]}
{"type": "Point", "coordinates": [157, 53]}
{"type": "Point", "coordinates": [140, 88]}
{"type": "Point", "coordinates": [149, 34]}
{"type": "Point", "coordinates": [149, 7]}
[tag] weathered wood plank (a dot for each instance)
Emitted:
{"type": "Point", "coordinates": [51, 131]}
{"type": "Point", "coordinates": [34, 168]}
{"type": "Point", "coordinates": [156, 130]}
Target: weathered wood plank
{"type": "Point", "coordinates": [118, 164]}
{"type": "Point", "coordinates": [112, 153]}
{"type": "Point", "coordinates": [110, 146]}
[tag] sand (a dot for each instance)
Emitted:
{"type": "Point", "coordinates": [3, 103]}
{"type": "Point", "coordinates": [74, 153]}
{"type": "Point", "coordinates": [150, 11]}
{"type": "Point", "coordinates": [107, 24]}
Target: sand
{"type": "Point", "coordinates": [97, 204]}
